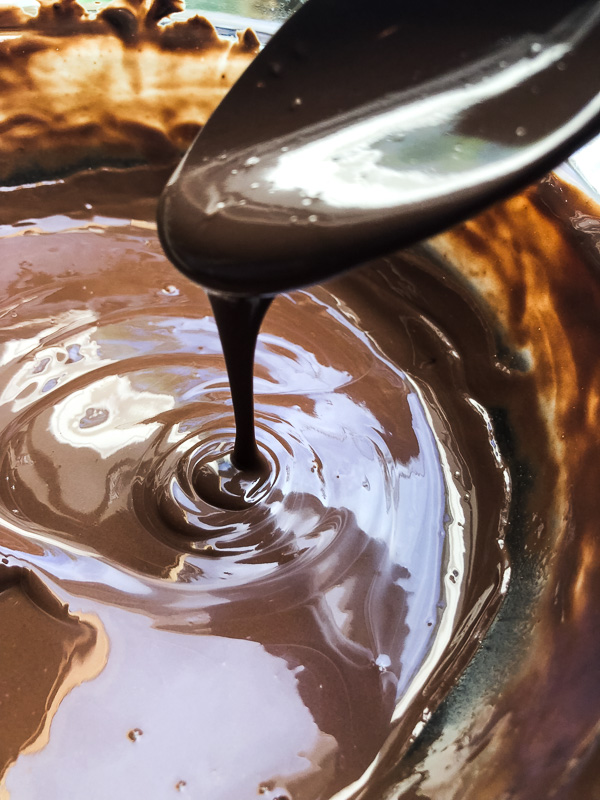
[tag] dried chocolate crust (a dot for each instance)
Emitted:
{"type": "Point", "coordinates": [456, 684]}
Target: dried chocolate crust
{"type": "Point", "coordinates": [127, 84]}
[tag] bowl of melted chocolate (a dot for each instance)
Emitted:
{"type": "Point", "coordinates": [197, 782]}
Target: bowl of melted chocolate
{"type": "Point", "coordinates": [402, 599]}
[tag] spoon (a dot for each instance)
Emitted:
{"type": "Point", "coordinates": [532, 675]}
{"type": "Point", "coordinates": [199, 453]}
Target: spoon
{"type": "Point", "coordinates": [362, 127]}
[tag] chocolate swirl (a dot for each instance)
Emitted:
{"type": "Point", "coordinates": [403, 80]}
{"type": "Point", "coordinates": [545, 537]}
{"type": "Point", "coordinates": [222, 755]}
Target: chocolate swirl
{"type": "Point", "coordinates": [349, 578]}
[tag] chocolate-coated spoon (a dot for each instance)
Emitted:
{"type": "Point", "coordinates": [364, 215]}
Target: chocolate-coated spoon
{"type": "Point", "coordinates": [365, 126]}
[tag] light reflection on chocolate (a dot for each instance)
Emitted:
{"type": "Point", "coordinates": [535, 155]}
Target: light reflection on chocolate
{"type": "Point", "coordinates": [361, 573]}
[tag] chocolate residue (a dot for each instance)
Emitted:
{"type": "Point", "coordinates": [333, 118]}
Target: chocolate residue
{"type": "Point", "coordinates": [78, 88]}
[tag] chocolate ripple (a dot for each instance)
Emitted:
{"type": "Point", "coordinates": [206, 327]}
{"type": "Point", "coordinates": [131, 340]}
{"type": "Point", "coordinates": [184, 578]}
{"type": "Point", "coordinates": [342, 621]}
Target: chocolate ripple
{"type": "Point", "coordinates": [346, 575]}
{"type": "Point", "coordinates": [133, 405]}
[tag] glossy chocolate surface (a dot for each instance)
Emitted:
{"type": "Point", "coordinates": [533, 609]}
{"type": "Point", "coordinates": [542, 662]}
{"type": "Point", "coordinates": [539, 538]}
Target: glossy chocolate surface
{"type": "Point", "coordinates": [276, 639]}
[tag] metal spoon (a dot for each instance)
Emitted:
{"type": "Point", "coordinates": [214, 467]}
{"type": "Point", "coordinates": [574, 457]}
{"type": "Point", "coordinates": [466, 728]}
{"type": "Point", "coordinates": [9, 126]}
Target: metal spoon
{"type": "Point", "coordinates": [365, 126]}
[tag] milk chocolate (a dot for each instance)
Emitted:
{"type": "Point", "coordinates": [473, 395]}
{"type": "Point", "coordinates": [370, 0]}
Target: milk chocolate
{"type": "Point", "coordinates": [275, 641]}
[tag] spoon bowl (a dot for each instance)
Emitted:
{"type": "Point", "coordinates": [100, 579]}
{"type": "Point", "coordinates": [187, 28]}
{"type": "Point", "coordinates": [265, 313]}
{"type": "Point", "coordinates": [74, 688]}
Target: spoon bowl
{"type": "Point", "coordinates": [363, 128]}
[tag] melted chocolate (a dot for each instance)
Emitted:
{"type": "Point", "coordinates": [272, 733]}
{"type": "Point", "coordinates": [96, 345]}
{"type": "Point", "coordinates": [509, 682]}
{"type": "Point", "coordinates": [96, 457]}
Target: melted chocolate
{"type": "Point", "coordinates": [238, 321]}
{"type": "Point", "coordinates": [277, 639]}
{"type": "Point", "coordinates": [298, 198]}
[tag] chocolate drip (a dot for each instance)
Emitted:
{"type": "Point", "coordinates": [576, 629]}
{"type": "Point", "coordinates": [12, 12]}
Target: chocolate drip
{"type": "Point", "coordinates": [238, 321]}
{"type": "Point", "coordinates": [234, 479]}
{"type": "Point", "coordinates": [331, 581]}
